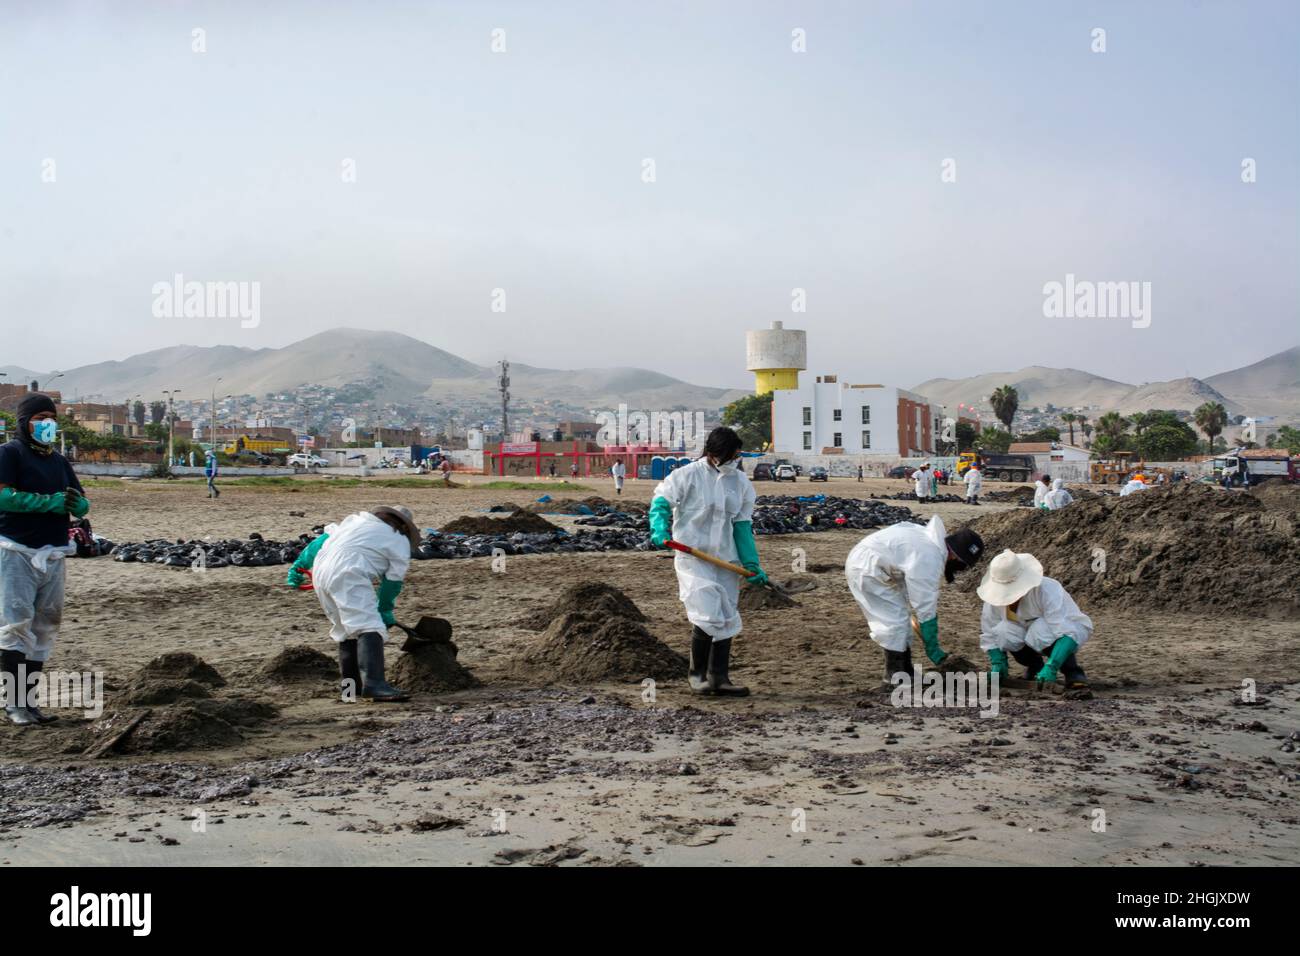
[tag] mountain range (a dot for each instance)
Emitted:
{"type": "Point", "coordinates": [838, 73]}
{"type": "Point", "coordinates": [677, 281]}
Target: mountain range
{"type": "Point", "coordinates": [402, 368]}
{"type": "Point", "coordinates": [1269, 387]}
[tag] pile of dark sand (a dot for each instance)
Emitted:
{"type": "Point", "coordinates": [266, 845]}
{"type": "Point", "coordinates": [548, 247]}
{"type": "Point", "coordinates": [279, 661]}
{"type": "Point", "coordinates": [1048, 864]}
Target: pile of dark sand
{"type": "Point", "coordinates": [300, 663]}
{"type": "Point", "coordinates": [585, 597]}
{"type": "Point", "coordinates": [1277, 494]}
{"type": "Point", "coordinates": [596, 634]}
{"type": "Point", "coordinates": [185, 711]}
{"type": "Point", "coordinates": [1189, 547]}
{"type": "Point", "coordinates": [519, 520]}
{"type": "Point", "coordinates": [1020, 495]}
{"type": "Point", "coordinates": [429, 668]}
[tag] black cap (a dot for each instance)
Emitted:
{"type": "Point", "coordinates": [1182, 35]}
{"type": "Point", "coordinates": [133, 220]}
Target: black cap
{"type": "Point", "coordinates": [966, 545]}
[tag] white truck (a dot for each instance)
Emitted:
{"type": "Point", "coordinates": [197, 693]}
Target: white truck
{"type": "Point", "coordinates": [1247, 470]}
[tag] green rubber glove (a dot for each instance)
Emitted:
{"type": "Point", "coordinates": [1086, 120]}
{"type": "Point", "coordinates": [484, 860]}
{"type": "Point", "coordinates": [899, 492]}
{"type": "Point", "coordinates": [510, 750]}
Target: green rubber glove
{"type": "Point", "coordinates": [1061, 650]}
{"type": "Point", "coordinates": [305, 560]}
{"type": "Point", "coordinates": [930, 637]}
{"type": "Point", "coordinates": [998, 663]}
{"type": "Point", "coordinates": [388, 591]}
{"type": "Point", "coordinates": [76, 504]}
{"type": "Point", "coordinates": [29, 502]}
{"type": "Point", "coordinates": [661, 521]}
{"type": "Point", "coordinates": [742, 532]}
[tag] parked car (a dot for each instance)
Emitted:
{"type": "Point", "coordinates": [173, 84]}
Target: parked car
{"type": "Point", "coordinates": [305, 460]}
{"type": "Point", "coordinates": [762, 472]}
{"type": "Point", "coordinates": [818, 473]}
{"type": "Point", "coordinates": [785, 473]}
{"type": "Point", "coordinates": [247, 457]}
{"type": "Point", "coordinates": [900, 471]}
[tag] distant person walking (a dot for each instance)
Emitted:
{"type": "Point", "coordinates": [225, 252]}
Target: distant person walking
{"type": "Point", "coordinates": [974, 482]}
{"type": "Point", "coordinates": [573, 470]}
{"type": "Point", "coordinates": [620, 472]}
{"type": "Point", "coordinates": [550, 467]}
{"type": "Point", "coordinates": [446, 471]}
{"type": "Point", "coordinates": [210, 470]}
{"type": "Point", "coordinates": [859, 473]}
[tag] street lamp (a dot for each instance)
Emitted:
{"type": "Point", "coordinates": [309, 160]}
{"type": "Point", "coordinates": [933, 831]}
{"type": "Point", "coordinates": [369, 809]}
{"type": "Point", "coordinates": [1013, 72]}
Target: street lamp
{"type": "Point", "coordinates": [55, 374]}
{"type": "Point", "coordinates": [171, 425]}
{"type": "Point", "coordinates": [212, 439]}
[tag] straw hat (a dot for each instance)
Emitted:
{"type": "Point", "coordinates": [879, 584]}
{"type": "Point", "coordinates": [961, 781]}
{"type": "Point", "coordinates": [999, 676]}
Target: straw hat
{"type": "Point", "coordinates": [404, 517]}
{"type": "Point", "coordinates": [1009, 578]}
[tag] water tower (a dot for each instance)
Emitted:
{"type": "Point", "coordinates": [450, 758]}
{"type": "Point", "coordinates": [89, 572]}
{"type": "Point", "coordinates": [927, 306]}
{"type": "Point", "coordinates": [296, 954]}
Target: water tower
{"type": "Point", "coordinates": [776, 356]}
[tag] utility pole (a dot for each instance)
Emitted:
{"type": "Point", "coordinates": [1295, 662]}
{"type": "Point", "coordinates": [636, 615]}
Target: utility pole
{"type": "Point", "coordinates": [171, 426]}
{"type": "Point", "coordinates": [503, 383]}
{"type": "Point", "coordinates": [212, 439]}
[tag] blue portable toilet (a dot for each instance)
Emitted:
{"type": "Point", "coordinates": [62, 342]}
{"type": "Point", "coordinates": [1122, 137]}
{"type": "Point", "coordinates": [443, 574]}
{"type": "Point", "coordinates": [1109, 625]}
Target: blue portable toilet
{"type": "Point", "coordinates": [683, 462]}
{"type": "Point", "coordinates": [658, 467]}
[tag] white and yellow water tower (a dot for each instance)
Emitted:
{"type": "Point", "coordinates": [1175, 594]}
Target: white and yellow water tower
{"type": "Point", "coordinates": [776, 356]}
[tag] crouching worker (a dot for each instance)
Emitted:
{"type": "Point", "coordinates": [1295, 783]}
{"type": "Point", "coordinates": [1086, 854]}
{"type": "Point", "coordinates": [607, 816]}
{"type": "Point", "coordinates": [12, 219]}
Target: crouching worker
{"type": "Point", "coordinates": [1028, 615]}
{"type": "Point", "coordinates": [896, 572]}
{"type": "Point", "coordinates": [38, 493]}
{"type": "Point", "coordinates": [709, 504]}
{"type": "Point", "coordinates": [345, 563]}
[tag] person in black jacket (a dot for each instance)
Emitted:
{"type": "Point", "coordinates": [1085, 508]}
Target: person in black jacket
{"type": "Point", "coordinates": [38, 493]}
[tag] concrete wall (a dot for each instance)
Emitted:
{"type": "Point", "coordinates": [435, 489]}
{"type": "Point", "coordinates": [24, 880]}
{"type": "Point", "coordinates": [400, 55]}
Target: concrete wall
{"type": "Point", "coordinates": [104, 469]}
{"type": "Point", "coordinates": [823, 399]}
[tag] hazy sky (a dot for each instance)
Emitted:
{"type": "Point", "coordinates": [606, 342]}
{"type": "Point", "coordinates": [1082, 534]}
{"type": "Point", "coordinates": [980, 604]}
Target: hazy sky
{"type": "Point", "coordinates": [774, 170]}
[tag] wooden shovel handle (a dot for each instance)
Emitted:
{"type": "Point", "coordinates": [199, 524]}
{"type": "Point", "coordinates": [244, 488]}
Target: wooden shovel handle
{"type": "Point", "coordinates": [717, 562]}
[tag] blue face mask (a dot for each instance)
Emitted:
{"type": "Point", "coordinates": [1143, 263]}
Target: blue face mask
{"type": "Point", "coordinates": [45, 431]}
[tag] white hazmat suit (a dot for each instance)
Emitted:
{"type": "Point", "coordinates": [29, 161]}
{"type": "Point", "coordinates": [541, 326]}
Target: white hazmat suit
{"type": "Point", "coordinates": [361, 549]}
{"type": "Point", "coordinates": [1045, 613]}
{"type": "Point", "coordinates": [921, 482]}
{"type": "Point", "coordinates": [1130, 487]}
{"type": "Point", "coordinates": [895, 571]}
{"type": "Point", "coordinates": [1040, 492]}
{"type": "Point", "coordinates": [706, 502]}
{"type": "Point", "coordinates": [1058, 497]}
{"type": "Point", "coordinates": [974, 482]}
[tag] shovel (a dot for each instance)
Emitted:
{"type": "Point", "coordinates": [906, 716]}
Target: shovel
{"type": "Point", "coordinates": [429, 630]}
{"type": "Point", "coordinates": [727, 566]}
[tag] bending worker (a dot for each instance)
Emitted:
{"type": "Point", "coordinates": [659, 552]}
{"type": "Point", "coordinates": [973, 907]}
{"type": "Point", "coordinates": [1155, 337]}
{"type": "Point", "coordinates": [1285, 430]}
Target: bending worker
{"type": "Point", "coordinates": [1041, 487]}
{"type": "Point", "coordinates": [709, 504]}
{"type": "Point", "coordinates": [38, 494]}
{"type": "Point", "coordinates": [345, 562]}
{"type": "Point", "coordinates": [1058, 497]}
{"type": "Point", "coordinates": [1028, 615]}
{"type": "Point", "coordinates": [896, 572]}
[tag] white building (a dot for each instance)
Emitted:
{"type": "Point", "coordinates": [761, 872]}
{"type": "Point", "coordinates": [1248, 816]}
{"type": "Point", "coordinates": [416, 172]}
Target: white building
{"type": "Point", "coordinates": [830, 417]}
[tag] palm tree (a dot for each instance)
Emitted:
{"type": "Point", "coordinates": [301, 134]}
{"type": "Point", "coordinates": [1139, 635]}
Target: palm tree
{"type": "Point", "coordinates": [1211, 418]}
{"type": "Point", "coordinates": [1112, 425]}
{"type": "Point", "coordinates": [1141, 420]}
{"type": "Point", "coordinates": [1070, 418]}
{"type": "Point", "coordinates": [1005, 400]}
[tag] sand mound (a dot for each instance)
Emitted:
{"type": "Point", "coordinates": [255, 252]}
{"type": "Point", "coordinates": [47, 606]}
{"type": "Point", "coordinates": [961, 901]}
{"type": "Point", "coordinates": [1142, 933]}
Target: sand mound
{"type": "Point", "coordinates": [1191, 547]}
{"type": "Point", "coordinates": [607, 641]}
{"type": "Point", "coordinates": [180, 665]}
{"type": "Point", "coordinates": [147, 692]}
{"type": "Point", "coordinates": [763, 599]}
{"type": "Point", "coordinates": [585, 597]}
{"type": "Point", "coordinates": [1278, 495]}
{"type": "Point", "coordinates": [300, 663]}
{"type": "Point", "coordinates": [520, 520]}
{"type": "Point", "coordinates": [430, 669]}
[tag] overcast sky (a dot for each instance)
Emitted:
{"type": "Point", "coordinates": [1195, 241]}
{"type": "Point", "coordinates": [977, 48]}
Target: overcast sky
{"type": "Point", "coordinates": [775, 170]}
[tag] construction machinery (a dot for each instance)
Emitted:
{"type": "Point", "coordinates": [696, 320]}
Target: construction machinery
{"type": "Point", "coordinates": [1007, 467]}
{"type": "Point", "coordinates": [964, 461]}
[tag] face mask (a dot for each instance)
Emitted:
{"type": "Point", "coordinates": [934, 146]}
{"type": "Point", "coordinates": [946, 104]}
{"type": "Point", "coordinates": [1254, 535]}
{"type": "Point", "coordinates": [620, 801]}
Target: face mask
{"type": "Point", "coordinates": [45, 431]}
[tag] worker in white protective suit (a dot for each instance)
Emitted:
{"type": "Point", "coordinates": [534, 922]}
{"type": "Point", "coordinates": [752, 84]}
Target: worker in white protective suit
{"type": "Point", "coordinates": [921, 481]}
{"type": "Point", "coordinates": [1136, 483]}
{"type": "Point", "coordinates": [1058, 497]}
{"type": "Point", "coordinates": [1041, 487]}
{"type": "Point", "coordinates": [896, 572]}
{"type": "Point", "coordinates": [1031, 617]}
{"type": "Point", "coordinates": [709, 505]}
{"type": "Point", "coordinates": [344, 565]}
{"type": "Point", "coordinates": [974, 479]}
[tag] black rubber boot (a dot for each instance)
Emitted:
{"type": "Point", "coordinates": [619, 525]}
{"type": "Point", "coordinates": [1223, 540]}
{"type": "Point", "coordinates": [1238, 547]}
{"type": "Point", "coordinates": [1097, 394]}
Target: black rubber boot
{"type": "Point", "coordinates": [35, 667]}
{"type": "Point", "coordinates": [9, 663]}
{"type": "Point", "coordinates": [719, 667]}
{"type": "Point", "coordinates": [370, 658]}
{"type": "Point", "coordinates": [1031, 659]}
{"type": "Point", "coordinates": [896, 661]}
{"type": "Point", "coordinates": [698, 675]}
{"type": "Point", "coordinates": [349, 670]}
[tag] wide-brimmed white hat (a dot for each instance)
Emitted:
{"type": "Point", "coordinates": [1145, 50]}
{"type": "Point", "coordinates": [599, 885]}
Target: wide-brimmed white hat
{"type": "Point", "coordinates": [1009, 578]}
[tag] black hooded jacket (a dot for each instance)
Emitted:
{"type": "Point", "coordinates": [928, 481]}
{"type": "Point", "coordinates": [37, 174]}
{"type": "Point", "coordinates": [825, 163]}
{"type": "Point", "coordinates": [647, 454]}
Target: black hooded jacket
{"type": "Point", "coordinates": [27, 465]}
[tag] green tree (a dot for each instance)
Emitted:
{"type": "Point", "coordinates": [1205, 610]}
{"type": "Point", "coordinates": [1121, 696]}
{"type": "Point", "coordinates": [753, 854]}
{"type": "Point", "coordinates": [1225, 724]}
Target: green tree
{"type": "Point", "coordinates": [1211, 418]}
{"type": "Point", "coordinates": [156, 411]}
{"type": "Point", "coordinates": [965, 436]}
{"type": "Point", "coordinates": [1288, 438]}
{"type": "Point", "coordinates": [993, 440]}
{"type": "Point", "coordinates": [1166, 442]}
{"type": "Point", "coordinates": [1005, 400]}
{"type": "Point", "coordinates": [1043, 434]}
{"type": "Point", "coordinates": [1112, 425]}
{"type": "Point", "coordinates": [138, 412]}
{"type": "Point", "coordinates": [751, 417]}
{"type": "Point", "coordinates": [1070, 418]}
